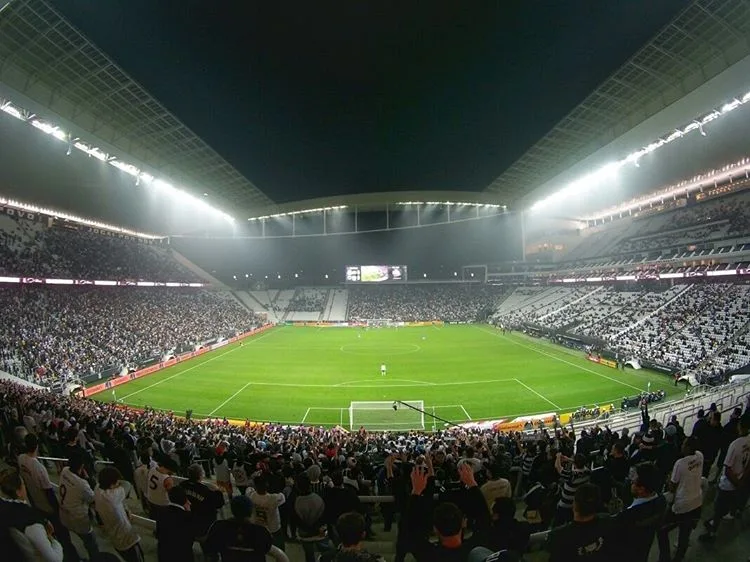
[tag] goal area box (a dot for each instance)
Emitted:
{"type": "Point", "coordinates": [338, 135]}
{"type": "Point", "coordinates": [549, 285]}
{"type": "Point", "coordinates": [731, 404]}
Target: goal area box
{"type": "Point", "coordinates": [382, 416]}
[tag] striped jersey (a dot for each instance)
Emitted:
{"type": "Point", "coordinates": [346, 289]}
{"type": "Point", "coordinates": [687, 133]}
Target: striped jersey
{"type": "Point", "coordinates": [571, 479]}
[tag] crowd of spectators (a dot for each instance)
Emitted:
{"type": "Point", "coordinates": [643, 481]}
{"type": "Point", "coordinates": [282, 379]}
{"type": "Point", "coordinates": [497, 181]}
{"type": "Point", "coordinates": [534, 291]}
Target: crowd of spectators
{"type": "Point", "coordinates": [413, 303]}
{"type": "Point", "coordinates": [693, 328]}
{"type": "Point", "coordinates": [64, 332]}
{"type": "Point", "coordinates": [308, 300]}
{"type": "Point", "coordinates": [304, 484]}
{"type": "Point", "coordinates": [33, 249]}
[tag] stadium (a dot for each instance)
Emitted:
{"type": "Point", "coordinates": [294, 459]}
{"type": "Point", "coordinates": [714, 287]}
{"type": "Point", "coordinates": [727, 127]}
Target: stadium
{"type": "Point", "coordinates": [558, 356]}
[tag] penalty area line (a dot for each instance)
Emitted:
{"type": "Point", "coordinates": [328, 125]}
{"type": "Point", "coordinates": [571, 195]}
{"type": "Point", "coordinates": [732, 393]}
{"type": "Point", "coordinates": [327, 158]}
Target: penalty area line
{"type": "Point", "coordinates": [465, 412]}
{"type": "Point", "coordinates": [542, 396]}
{"type": "Point", "coordinates": [232, 397]}
{"type": "Point", "coordinates": [307, 413]}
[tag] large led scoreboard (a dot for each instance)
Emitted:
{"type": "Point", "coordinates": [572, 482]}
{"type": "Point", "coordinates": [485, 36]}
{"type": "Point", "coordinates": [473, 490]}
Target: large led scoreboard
{"type": "Point", "coordinates": [376, 273]}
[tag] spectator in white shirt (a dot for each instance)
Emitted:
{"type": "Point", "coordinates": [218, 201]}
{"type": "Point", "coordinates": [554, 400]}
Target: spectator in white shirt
{"type": "Point", "coordinates": [686, 484]}
{"type": "Point", "coordinates": [736, 470]}
{"type": "Point", "coordinates": [24, 534]}
{"type": "Point", "coordinates": [41, 493]}
{"type": "Point", "coordinates": [109, 498]}
{"type": "Point", "coordinates": [266, 509]}
{"type": "Point", "coordinates": [76, 497]}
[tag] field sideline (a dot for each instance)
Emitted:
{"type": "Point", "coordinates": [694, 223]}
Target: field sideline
{"type": "Point", "coordinates": [310, 375]}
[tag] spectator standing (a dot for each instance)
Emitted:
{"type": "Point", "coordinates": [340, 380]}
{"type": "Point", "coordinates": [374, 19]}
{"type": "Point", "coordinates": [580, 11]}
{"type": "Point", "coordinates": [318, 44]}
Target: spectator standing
{"type": "Point", "coordinates": [339, 499]}
{"type": "Point", "coordinates": [205, 501]}
{"type": "Point", "coordinates": [352, 529]}
{"type": "Point", "coordinates": [309, 511]}
{"type": "Point", "coordinates": [573, 474]}
{"type": "Point", "coordinates": [24, 534]}
{"type": "Point", "coordinates": [507, 533]}
{"type": "Point", "coordinates": [448, 519]}
{"type": "Point", "coordinates": [159, 483]}
{"type": "Point", "coordinates": [709, 438]}
{"type": "Point", "coordinates": [639, 522]}
{"type": "Point", "coordinates": [590, 537]}
{"type": "Point", "coordinates": [109, 499]}
{"type": "Point", "coordinates": [42, 494]}
{"type": "Point", "coordinates": [76, 498]}
{"type": "Point", "coordinates": [174, 529]}
{"type": "Point", "coordinates": [686, 485]}
{"type": "Point", "coordinates": [495, 488]}
{"type": "Point", "coordinates": [266, 509]}
{"type": "Point", "coordinates": [239, 539]}
{"type": "Point", "coordinates": [734, 479]}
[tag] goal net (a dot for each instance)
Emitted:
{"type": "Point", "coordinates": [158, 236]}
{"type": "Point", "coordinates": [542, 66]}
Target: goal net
{"type": "Point", "coordinates": [381, 416]}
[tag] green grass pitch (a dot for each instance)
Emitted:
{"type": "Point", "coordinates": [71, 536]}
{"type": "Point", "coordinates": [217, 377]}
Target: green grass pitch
{"type": "Point", "coordinates": [461, 373]}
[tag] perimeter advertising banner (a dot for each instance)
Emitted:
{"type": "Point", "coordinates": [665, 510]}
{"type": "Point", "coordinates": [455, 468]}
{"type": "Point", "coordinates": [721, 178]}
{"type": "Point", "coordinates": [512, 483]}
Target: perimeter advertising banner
{"type": "Point", "coordinates": [602, 361]}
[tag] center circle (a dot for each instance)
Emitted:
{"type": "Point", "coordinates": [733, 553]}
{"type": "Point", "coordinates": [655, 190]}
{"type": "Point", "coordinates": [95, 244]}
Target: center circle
{"type": "Point", "coordinates": [360, 349]}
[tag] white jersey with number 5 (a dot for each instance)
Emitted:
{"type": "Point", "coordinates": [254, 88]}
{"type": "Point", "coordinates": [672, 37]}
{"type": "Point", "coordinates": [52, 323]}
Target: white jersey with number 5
{"type": "Point", "coordinates": [156, 492]}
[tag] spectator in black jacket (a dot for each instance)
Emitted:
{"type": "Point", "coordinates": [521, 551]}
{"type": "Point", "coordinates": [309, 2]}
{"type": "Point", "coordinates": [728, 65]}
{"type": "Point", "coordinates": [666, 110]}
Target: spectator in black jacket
{"type": "Point", "coordinates": [174, 529]}
{"type": "Point", "coordinates": [590, 537]}
{"type": "Point", "coordinates": [338, 500]}
{"type": "Point", "coordinates": [352, 528]}
{"type": "Point", "coordinates": [448, 519]}
{"type": "Point", "coordinates": [507, 533]}
{"type": "Point", "coordinates": [205, 501]}
{"type": "Point", "coordinates": [640, 521]}
{"type": "Point", "coordinates": [709, 440]}
{"type": "Point", "coordinates": [237, 539]}
{"type": "Point", "coordinates": [729, 434]}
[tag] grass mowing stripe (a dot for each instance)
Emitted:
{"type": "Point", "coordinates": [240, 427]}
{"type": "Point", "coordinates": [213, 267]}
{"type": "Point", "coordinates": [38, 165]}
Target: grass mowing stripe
{"type": "Point", "coordinates": [561, 359]}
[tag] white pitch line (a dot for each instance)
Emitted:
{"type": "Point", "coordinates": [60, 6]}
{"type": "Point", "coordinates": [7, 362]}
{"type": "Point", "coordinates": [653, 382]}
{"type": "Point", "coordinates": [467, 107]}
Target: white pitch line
{"type": "Point", "coordinates": [157, 383]}
{"type": "Point", "coordinates": [219, 407]}
{"type": "Point", "coordinates": [305, 416]}
{"type": "Point", "coordinates": [527, 387]}
{"type": "Point", "coordinates": [466, 413]}
{"type": "Point", "coordinates": [562, 360]}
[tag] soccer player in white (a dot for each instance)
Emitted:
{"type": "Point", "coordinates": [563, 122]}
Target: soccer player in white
{"type": "Point", "coordinates": [382, 369]}
{"type": "Point", "coordinates": [76, 496]}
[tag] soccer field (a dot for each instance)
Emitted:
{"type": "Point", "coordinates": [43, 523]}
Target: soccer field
{"type": "Point", "coordinates": [311, 375]}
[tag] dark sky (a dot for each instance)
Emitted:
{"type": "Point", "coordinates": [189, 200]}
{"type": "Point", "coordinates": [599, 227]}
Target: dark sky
{"type": "Point", "coordinates": [310, 99]}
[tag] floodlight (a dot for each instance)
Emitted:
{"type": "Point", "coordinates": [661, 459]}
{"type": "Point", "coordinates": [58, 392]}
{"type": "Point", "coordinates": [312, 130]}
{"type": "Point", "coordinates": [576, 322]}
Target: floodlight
{"type": "Point", "coordinates": [12, 111]}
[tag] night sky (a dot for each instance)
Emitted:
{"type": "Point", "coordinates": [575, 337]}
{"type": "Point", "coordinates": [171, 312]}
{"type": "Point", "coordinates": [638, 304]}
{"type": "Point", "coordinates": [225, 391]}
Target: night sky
{"type": "Point", "coordinates": [310, 99]}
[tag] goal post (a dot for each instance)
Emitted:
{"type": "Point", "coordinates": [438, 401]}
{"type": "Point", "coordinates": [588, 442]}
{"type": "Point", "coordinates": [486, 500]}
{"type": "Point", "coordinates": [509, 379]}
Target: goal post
{"type": "Point", "coordinates": [381, 416]}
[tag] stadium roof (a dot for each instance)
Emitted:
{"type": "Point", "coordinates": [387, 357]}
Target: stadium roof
{"type": "Point", "coordinates": [46, 60]}
{"type": "Point", "coordinates": [381, 201]}
{"type": "Point", "coordinates": [705, 39]}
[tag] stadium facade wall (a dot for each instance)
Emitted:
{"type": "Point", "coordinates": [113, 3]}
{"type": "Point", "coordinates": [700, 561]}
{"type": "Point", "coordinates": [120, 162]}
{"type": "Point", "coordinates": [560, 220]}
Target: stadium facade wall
{"type": "Point", "coordinates": [117, 381]}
